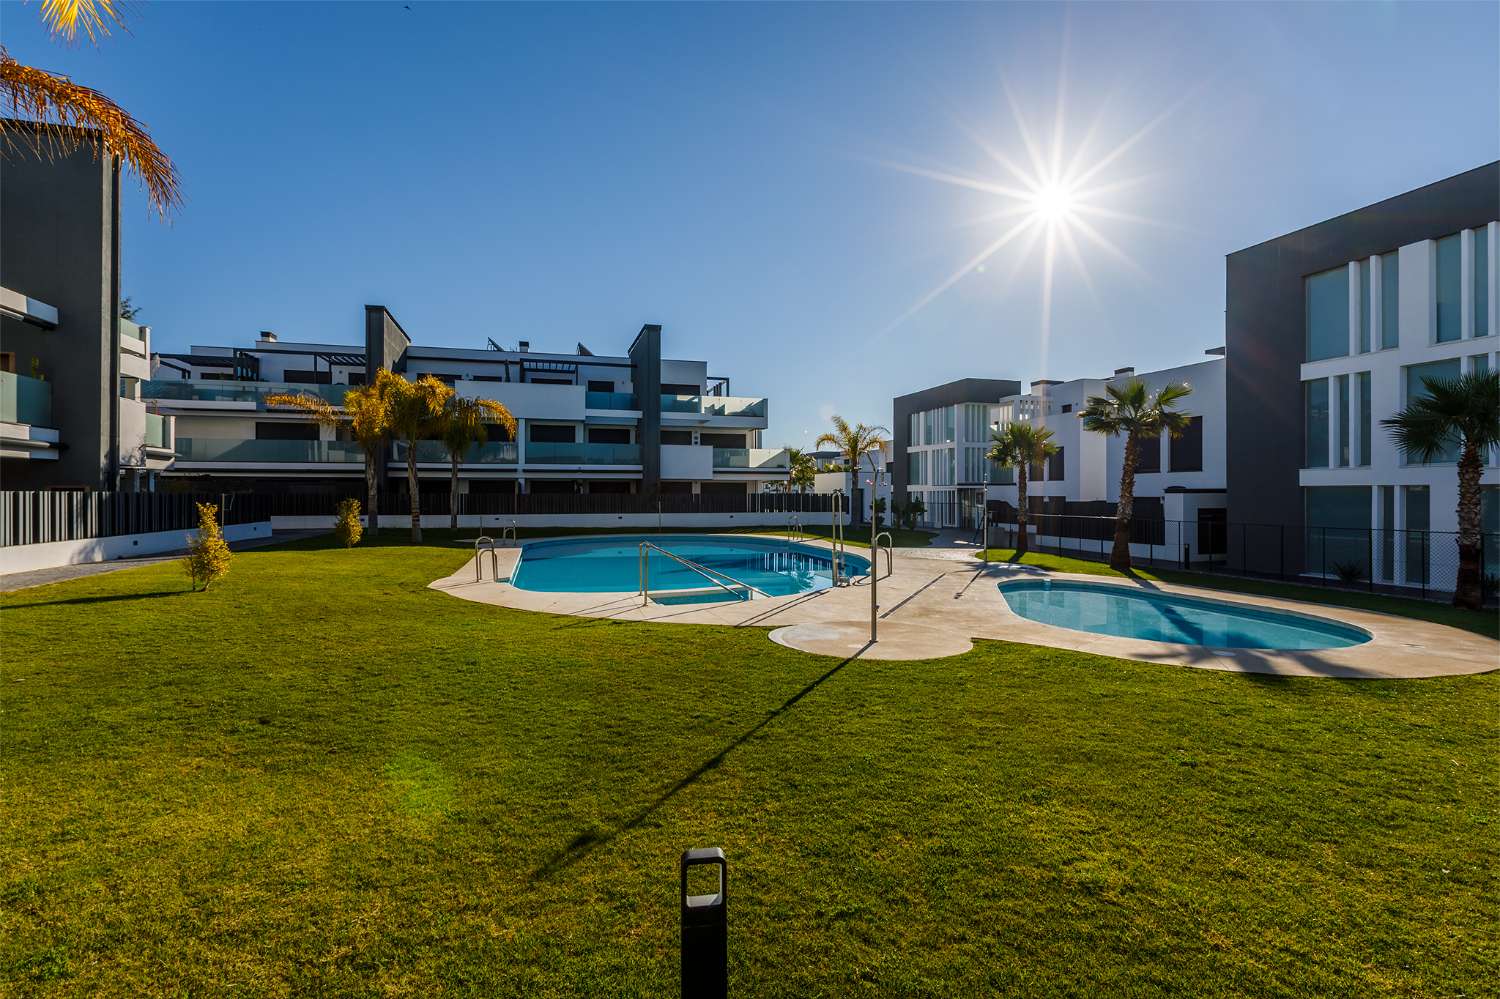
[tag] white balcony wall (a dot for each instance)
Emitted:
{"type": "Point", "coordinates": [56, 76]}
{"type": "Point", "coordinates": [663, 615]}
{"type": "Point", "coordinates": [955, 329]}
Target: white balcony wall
{"type": "Point", "coordinates": [687, 461]}
{"type": "Point", "coordinates": [529, 401]}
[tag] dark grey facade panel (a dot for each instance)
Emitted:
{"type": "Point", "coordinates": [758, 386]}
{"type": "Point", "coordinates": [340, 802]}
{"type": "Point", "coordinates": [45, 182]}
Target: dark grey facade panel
{"type": "Point", "coordinates": [385, 342]}
{"type": "Point", "coordinates": [645, 363]}
{"type": "Point", "coordinates": [1264, 334]}
{"type": "Point", "coordinates": [982, 390]}
{"type": "Point", "coordinates": [59, 244]}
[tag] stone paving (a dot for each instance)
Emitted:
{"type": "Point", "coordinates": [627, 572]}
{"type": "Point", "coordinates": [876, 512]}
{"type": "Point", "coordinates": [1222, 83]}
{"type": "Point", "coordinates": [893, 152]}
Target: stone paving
{"type": "Point", "coordinates": [937, 599]}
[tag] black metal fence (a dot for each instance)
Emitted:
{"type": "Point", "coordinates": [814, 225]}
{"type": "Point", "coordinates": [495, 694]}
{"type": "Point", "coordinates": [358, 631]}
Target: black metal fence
{"type": "Point", "coordinates": [35, 516]}
{"type": "Point", "coordinates": [1417, 563]}
{"type": "Point", "coordinates": [398, 502]}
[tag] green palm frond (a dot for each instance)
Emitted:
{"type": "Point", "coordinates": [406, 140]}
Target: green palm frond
{"type": "Point", "coordinates": [1454, 413]}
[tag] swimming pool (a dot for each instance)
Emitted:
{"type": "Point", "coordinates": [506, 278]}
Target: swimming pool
{"type": "Point", "coordinates": [611, 564]}
{"type": "Point", "coordinates": [1127, 612]}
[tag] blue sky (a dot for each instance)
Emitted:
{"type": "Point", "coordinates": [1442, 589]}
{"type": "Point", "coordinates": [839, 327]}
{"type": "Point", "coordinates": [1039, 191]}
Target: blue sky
{"type": "Point", "coordinates": [743, 174]}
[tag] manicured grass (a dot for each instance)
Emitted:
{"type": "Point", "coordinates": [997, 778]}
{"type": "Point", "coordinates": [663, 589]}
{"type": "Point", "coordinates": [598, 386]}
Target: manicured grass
{"type": "Point", "coordinates": [1481, 623]}
{"type": "Point", "coordinates": [321, 777]}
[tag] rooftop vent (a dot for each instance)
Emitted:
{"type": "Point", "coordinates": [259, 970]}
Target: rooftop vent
{"type": "Point", "coordinates": [268, 336]}
{"type": "Point", "coordinates": [1124, 371]}
{"type": "Point", "coordinates": [1215, 352]}
{"type": "Point", "coordinates": [1043, 382]}
{"type": "Point", "coordinates": [524, 346]}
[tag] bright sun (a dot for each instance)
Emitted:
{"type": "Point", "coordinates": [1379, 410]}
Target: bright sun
{"type": "Point", "coordinates": [1053, 202]}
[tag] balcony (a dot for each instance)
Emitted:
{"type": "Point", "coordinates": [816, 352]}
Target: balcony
{"type": "Point", "coordinates": [25, 400]}
{"type": "Point", "coordinates": [228, 391]}
{"type": "Point", "coordinates": [610, 400]}
{"type": "Point", "coordinates": [225, 449]}
{"type": "Point", "coordinates": [714, 405]}
{"type": "Point", "coordinates": [488, 453]}
{"type": "Point", "coordinates": [752, 458]}
{"type": "Point", "coordinates": [156, 431]}
{"type": "Point", "coordinates": [583, 454]}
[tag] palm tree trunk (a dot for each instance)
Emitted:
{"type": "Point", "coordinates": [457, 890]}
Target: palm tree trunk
{"type": "Point", "coordinates": [372, 491]}
{"type": "Point", "coordinates": [453, 495]}
{"type": "Point", "coordinates": [1023, 543]}
{"type": "Point", "coordinates": [1469, 589]}
{"type": "Point", "coordinates": [412, 491]}
{"type": "Point", "coordinates": [1119, 555]}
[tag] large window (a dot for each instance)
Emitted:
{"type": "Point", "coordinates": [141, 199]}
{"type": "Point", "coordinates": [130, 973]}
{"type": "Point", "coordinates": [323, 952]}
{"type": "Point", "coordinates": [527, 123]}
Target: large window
{"type": "Point", "coordinates": [916, 467]}
{"type": "Point", "coordinates": [1148, 454]}
{"type": "Point", "coordinates": [1416, 389]}
{"type": "Point", "coordinates": [948, 421]}
{"type": "Point", "coordinates": [1328, 314]}
{"type": "Point", "coordinates": [1364, 306]}
{"type": "Point", "coordinates": [1338, 529]}
{"type": "Point", "coordinates": [1315, 423]}
{"type": "Point", "coordinates": [1342, 419]}
{"type": "Point", "coordinates": [1390, 300]}
{"type": "Point", "coordinates": [1418, 521]}
{"type": "Point", "coordinates": [1366, 417]}
{"type": "Point", "coordinates": [1449, 289]}
{"type": "Point", "coordinates": [1055, 467]}
{"type": "Point", "coordinates": [1187, 450]}
{"type": "Point", "coordinates": [1481, 282]}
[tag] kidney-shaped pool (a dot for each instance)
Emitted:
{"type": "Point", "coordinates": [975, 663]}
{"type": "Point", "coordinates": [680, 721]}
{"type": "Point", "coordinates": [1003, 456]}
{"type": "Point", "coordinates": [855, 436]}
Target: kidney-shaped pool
{"type": "Point", "coordinates": [1128, 612]}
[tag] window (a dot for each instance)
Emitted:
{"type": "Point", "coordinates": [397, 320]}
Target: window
{"type": "Point", "coordinates": [1418, 520]}
{"type": "Point", "coordinates": [545, 433]}
{"type": "Point", "coordinates": [914, 467]}
{"type": "Point", "coordinates": [609, 435]}
{"type": "Point", "coordinates": [1390, 300]}
{"type": "Point", "coordinates": [1148, 454]}
{"type": "Point", "coordinates": [948, 427]}
{"type": "Point", "coordinates": [1480, 364]}
{"type": "Point", "coordinates": [1338, 528]}
{"type": "Point", "coordinates": [1415, 389]}
{"type": "Point", "coordinates": [1315, 423]}
{"type": "Point", "coordinates": [677, 437]}
{"type": "Point", "coordinates": [1342, 420]}
{"type": "Point", "coordinates": [1366, 418]}
{"type": "Point", "coordinates": [1186, 452]}
{"type": "Point", "coordinates": [599, 385]}
{"type": "Point", "coordinates": [1035, 473]}
{"type": "Point", "coordinates": [722, 440]}
{"type": "Point", "coordinates": [1489, 525]}
{"type": "Point", "coordinates": [1327, 297]}
{"type": "Point", "coordinates": [1449, 289]}
{"type": "Point", "coordinates": [1067, 407]}
{"type": "Point", "coordinates": [303, 376]}
{"type": "Point", "coordinates": [673, 388]}
{"type": "Point", "coordinates": [286, 431]}
{"type": "Point", "coordinates": [1364, 306]}
{"type": "Point", "coordinates": [914, 430]}
{"type": "Point", "coordinates": [1481, 282]}
{"type": "Point", "coordinates": [1056, 470]}
{"type": "Point", "coordinates": [1388, 533]}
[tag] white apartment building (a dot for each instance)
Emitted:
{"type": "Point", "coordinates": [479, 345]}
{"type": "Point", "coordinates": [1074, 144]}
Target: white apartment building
{"type": "Point", "coordinates": [587, 423]}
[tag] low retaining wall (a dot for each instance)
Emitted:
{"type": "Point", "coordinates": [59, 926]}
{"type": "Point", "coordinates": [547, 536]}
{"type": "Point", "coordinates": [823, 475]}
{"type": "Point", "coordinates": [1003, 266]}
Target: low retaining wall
{"type": "Point", "coordinates": [642, 521]}
{"type": "Point", "coordinates": [51, 554]}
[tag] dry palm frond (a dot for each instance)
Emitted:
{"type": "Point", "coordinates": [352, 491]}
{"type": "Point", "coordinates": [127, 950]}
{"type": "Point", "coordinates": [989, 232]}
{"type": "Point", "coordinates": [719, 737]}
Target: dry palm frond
{"type": "Point", "coordinates": [65, 17]}
{"type": "Point", "coordinates": [67, 115]}
{"type": "Point", "coordinates": [315, 406]}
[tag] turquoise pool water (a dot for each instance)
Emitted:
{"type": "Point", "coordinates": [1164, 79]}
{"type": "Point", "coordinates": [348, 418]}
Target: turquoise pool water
{"type": "Point", "coordinates": [1127, 612]}
{"type": "Point", "coordinates": [611, 564]}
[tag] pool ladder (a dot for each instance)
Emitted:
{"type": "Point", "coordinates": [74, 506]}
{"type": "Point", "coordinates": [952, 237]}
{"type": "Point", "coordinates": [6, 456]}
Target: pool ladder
{"type": "Point", "coordinates": [712, 575]}
{"type": "Point", "coordinates": [837, 536]}
{"type": "Point", "coordinates": [485, 543]}
{"type": "Point", "coordinates": [794, 528]}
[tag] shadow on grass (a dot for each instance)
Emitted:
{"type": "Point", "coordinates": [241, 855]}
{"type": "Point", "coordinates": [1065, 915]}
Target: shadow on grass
{"type": "Point", "coordinates": [588, 841]}
{"type": "Point", "coordinates": [102, 599]}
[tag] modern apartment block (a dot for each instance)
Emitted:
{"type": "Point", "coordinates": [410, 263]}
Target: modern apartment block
{"type": "Point", "coordinates": [1177, 479]}
{"type": "Point", "coordinates": [1331, 329]}
{"type": "Point", "coordinates": [588, 423]}
{"type": "Point", "coordinates": [941, 436]}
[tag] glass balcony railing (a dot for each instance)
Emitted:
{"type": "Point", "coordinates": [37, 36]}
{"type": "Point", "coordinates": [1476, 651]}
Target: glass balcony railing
{"type": "Point", "coordinates": [752, 457]}
{"type": "Point", "coordinates": [713, 405]}
{"type": "Point", "coordinates": [583, 454]}
{"type": "Point", "coordinates": [610, 400]}
{"type": "Point", "coordinates": [230, 449]}
{"type": "Point", "coordinates": [228, 391]}
{"type": "Point", "coordinates": [488, 453]}
{"type": "Point", "coordinates": [25, 400]}
{"type": "Point", "coordinates": [156, 430]}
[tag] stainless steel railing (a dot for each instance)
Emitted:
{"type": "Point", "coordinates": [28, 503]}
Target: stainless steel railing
{"type": "Point", "coordinates": [647, 547]}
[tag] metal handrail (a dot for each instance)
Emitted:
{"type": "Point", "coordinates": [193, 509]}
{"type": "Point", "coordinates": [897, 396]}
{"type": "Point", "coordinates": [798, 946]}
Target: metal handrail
{"type": "Point", "coordinates": [890, 558]}
{"type": "Point", "coordinates": [794, 528]}
{"type": "Point", "coordinates": [836, 536]}
{"type": "Point", "coordinates": [702, 570]}
{"type": "Point", "coordinates": [509, 532]}
{"type": "Point", "coordinates": [489, 546]}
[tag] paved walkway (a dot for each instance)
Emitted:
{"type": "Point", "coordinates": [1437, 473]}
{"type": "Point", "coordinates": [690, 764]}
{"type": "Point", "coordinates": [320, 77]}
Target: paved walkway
{"type": "Point", "coordinates": [936, 599]}
{"type": "Point", "coordinates": [62, 573]}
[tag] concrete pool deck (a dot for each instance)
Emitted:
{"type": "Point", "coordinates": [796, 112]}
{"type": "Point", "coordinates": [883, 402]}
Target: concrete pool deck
{"type": "Point", "coordinates": [936, 599]}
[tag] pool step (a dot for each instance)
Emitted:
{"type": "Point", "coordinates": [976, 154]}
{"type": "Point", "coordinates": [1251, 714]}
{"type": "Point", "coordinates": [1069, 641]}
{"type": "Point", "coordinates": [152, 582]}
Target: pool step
{"type": "Point", "coordinates": [701, 595]}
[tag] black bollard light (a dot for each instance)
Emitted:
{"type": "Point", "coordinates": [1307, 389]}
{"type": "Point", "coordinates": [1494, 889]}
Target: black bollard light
{"type": "Point", "coordinates": [705, 930]}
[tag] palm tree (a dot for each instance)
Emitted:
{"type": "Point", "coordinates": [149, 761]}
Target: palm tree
{"type": "Point", "coordinates": [855, 443]}
{"type": "Point", "coordinates": [465, 424]}
{"type": "Point", "coordinates": [364, 412]}
{"type": "Point", "coordinates": [60, 116]}
{"type": "Point", "coordinates": [801, 471]}
{"type": "Point", "coordinates": [1019, 446]}
{"type": "Point", "coordinates": [415, 412]}
{"type": "Point", "coordinates": [1131, 409]}
{"type": "Point", "coordinates": [1462, 412]}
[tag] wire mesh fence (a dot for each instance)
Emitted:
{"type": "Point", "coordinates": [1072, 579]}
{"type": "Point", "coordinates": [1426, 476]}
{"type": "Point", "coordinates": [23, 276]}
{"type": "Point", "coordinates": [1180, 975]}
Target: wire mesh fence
{"type": "Point", "coordinates": [1408, 562]}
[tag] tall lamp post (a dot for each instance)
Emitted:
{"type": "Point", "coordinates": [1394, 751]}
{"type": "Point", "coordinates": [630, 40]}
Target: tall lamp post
{"type": "Point", "coordinates": [875, 473]}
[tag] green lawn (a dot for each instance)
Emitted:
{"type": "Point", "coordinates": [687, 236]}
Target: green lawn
{"type": "Point", "coordinates": [1481, 623]}
{"type": "Point", "coordinates": [321, 777]}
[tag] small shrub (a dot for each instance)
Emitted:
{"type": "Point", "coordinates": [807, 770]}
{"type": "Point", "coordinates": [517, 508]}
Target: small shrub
{"type": "Point", "coordinates": [348, 529]}
{"type": "Point", "coordinates": [1349, 572]}
{"type": "Point", "coordinates": [208, 555]}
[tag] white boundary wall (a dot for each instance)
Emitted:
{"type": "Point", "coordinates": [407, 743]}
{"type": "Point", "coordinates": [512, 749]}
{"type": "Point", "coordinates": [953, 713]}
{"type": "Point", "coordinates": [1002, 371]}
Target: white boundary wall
{"type": "Point", "coordinates": [643, 521]}
{"type": "Point", "coordinates": [25, 558]}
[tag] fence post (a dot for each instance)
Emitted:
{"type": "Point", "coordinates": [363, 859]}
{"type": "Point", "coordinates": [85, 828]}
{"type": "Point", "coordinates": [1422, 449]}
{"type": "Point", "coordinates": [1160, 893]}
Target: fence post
{"type": "Point", "coordinates": [1426, 565]}
{"type": "Point", "coordinates": [1323, 569]}
{"type": "Point", "coordinates": [1370, 557]}
{"type": "Point", "coordinates": [1281, 568]}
